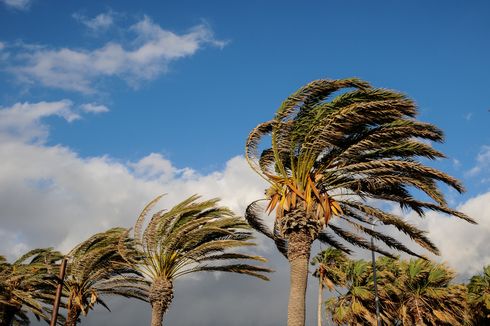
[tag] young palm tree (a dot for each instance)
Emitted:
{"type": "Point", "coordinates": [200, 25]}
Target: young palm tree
{"type": "Point", "coordinates": [427, 297]}
{"type": "Point", "coordinates": [331, 263]}
{"type": "Point", "coordinates": [192, 236]}
{"type": "Point", "coordinates": [479, 297]}
{"type": "Point", "coordinates": [95, 268]}
{"type": "Point", "coordinates": [327, 155]}
{"type": "Point", "coordinates": [355, 307]}
{"type": "Point", "coordinates": [25, 286]}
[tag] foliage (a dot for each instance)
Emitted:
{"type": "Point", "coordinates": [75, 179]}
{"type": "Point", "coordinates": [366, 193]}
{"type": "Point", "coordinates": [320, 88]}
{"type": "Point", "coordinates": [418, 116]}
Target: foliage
{"type": "Point", "coordinates": [95, 269]}
{"type": "Point", "coordinates": [25, 286]}
{"type": "Point", "coordinates": [336, 143]}
{"type": "Point", "coordinates": [415, 292]}
{"type": "Point", "coordinates": [479, 297]}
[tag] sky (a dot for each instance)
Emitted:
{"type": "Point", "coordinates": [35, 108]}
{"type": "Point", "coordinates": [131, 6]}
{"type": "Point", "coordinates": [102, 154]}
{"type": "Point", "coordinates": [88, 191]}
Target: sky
{"type": "Point", "coordinates": [106, 104]}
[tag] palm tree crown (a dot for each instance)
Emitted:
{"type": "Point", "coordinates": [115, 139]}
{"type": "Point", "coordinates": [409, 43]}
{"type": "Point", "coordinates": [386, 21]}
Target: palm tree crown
{"type": "Point", "coordinates": [192, 236]}
{"type": "Point", "coordinates": [95, 269]}
{"type": "Point", "coordinates": [25, 286]}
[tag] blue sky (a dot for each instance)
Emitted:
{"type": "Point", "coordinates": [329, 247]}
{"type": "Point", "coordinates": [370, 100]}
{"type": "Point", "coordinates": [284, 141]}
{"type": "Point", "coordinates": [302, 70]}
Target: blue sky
{"type": "Point", "coordinates": [105, 104]}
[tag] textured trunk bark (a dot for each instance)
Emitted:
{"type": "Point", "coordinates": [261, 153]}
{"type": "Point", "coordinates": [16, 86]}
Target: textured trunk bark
{"type": "Point", "coordinates": [419, 321]}
{"type": "Point", "coordinates": [72, 317]}
{"type": "Point", "coordinates": [299, 245]}
{"type": "Point", "coordinates": [320, 301]}
{"type": "Point", "coordinates": [161, 295]}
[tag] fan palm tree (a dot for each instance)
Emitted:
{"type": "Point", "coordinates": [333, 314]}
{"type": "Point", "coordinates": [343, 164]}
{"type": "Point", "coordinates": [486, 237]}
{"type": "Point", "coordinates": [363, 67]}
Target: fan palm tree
{"type": "Point", "coordinates": [192, 236]}
{"type": "Point", "coordinates": [330, 272]}
{"type": "Point", "coordinates": [427, 297]}
{"type": "Point", "coordinates": [355, 307]}
{"type": "Point", "coordinates": [25, 286]}
{"type": "Point", "coordinates": [327, 155]}
{"type": "Point", "coordinates": [95, 268]}
{"type": "Point", "coordinates": [479, 297]}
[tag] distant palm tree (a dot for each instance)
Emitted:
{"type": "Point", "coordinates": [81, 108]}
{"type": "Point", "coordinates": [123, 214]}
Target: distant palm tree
{"type": "Point", "coordinates": [95, 268]}
{"type": "Point", "coordinates": [334, 144]}
{"type": "Point", "coordinates": [427, 297]}
{"type": "Point", "coordinates": [331, 264]}
{"type": "Point", "coordinates": [355, 307]}
{"type": "Point", "coordinates": [192, 236]}
{"type": "Point", "coordinates": [25, 286]}
{"type": "Point", "coordinates": [479, 297]}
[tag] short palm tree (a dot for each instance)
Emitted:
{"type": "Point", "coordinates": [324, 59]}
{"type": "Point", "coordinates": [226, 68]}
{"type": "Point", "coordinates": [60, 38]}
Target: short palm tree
{"type": "Point", "coordinates": [427, 297]}
{"type": "Point", "coordinates": [25, 286]}
{"type": "Point", "coordinates": [479, 297]}
{"type": "Point", "coordinates": [95, 269]}
{"type": "Point", "coordinates": [192, 236]}
{"type": "Point", "coordinates": [331, 264]}
{"type": "Point", "coordinates": [327, 155]}
{"type": "Point", "coordinates": [355, 307]}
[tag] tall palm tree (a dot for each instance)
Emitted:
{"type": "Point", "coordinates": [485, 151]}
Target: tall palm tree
{"type": "Point", "coordinates": [192, 236]}
{"type": "Point", "coordinates": [427, 297]}
{"type": "Point", "coordinates": [334, 144]}
{"type": "Point", "coordinates": [479, 297]}
{"type": "Point", "coordinates": [25, 286]}
{"type": "Point", "coordinates": [95, 269]}
{"type": "Point", "coordinates": [330, 272]}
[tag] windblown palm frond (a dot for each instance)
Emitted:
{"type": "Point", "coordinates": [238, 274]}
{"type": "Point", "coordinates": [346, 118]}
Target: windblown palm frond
{"type": "Point", "coordinates": [329, 153]}
{"type": "Point", "coordinates": [427, 297]}
{"type": "Point", "coordinates": [96, 269]}
{"type": "Point", "coordinates": [192, 236]}
{"type": "Point", "coordinates": [25, 286]}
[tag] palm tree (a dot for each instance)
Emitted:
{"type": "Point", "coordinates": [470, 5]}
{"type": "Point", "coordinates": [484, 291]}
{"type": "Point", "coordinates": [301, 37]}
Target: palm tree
{"type": "Point", "coordinates": [95, 268]}
{"type": "Point", "coordinates": [356, 306]}
{"type": "Point", "coordinates": [327, 155]}
{"type": "Point", "coordinates": [192, 236]}
{"type": "Point", "coordinates": [25, 286]}
{"type": "Point", "coordinates": [330, 272]}
{"type": "Point", "coordinates": [427, 297]}
{"type": "Point", "coordinates": [479, 297]}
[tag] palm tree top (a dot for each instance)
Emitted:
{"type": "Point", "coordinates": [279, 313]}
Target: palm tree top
{"type": "Point", "coordinates": [334, 144]}
{"type": "Point", "coordinates": [192, 236]}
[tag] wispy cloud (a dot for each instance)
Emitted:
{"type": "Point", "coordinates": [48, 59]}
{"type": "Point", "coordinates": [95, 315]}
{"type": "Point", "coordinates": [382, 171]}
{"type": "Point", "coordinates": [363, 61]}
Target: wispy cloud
{"type": "Point", "coordinates": [482, 162]}
{"type": "Point", "coordinates": [146, 57]}
{"type": "Point", "coordinates": [17, 4]}
{"type": "Point", "coordinates": [94, 108]}
{"type": "Point", "coordinates": [100, 22]}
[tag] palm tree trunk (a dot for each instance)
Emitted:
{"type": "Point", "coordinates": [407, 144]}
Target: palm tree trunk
{"type": "Point", "coordinates": [72, 317]}
{"type": "Point", "coordinates": [299, 245]}
{"type": "Point", "coordinates": [320, 301]}
{"type": "Point", "coordinates": [161, 295]}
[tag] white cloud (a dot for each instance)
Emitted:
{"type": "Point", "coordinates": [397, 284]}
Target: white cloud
{"type": "Point", "coordinates": [94, 108]}
{"type": "Point", "coordinates": [145, 58]}
{"type": "Point", "coordinates": [23, 120]}
{"type": "Point", "coordinates": [482, 162]}
{"type": "Point", "coordinates": [17, 4]}
{"type": "Point", "coordinates": [99, 23]}
{"type": "Point", "coordinates": [52, 197]}
{"type": "Point", "coordinates": [464, 246]}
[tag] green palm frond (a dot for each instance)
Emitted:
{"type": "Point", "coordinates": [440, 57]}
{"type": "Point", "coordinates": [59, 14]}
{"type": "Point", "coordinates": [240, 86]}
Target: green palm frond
{"type": "Point", "coordinates": [180, 240]}
{"type": "Point", "coordinates": [96, 268]}
{"type": "Point", "coordinates": [25, 285]}
{"type": "Point", "coordinates": [336, 143]}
